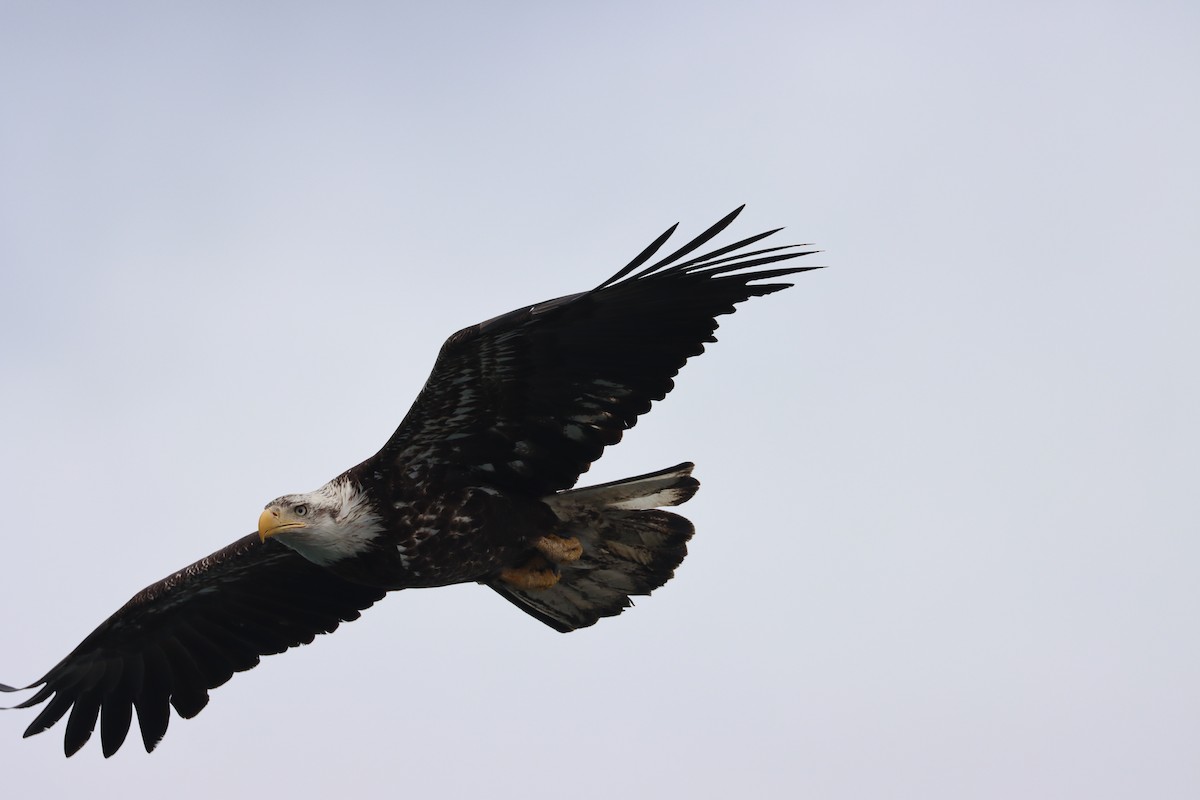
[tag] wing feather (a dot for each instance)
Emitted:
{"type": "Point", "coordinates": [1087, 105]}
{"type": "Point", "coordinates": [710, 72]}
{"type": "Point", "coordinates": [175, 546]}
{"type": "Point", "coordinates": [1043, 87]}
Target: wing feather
{"type": "Point", "coordinates": [187, 634]}
{"type": "Point", "coordinates": [527, 400]}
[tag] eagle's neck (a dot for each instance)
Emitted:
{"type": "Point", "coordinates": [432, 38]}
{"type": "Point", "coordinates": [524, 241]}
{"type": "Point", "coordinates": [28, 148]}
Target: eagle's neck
{"type": "Point", "coordinates": [346, 531]}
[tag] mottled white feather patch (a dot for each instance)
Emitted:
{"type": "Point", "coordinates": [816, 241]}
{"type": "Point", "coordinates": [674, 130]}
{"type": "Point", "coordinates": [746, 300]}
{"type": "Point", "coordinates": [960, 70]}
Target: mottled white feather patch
{"type": "Point", "coordinates": [664, 497]}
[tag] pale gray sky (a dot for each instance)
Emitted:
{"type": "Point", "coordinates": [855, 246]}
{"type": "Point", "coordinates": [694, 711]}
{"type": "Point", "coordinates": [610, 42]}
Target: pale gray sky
{"type": "Point", "coordinates": [946, 542]}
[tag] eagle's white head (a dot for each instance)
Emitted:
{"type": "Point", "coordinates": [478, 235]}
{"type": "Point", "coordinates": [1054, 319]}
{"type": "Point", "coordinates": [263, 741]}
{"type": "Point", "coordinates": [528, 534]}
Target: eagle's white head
{"type": "Point", "coordinates": [332, 523]}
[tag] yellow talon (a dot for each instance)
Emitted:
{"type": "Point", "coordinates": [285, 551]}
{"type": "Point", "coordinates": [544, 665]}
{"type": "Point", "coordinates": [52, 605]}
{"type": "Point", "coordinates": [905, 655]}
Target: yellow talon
{"type": "Point", "coordinates": [558, 550]}
{"type": "Point", "coordinates": [534, 574]}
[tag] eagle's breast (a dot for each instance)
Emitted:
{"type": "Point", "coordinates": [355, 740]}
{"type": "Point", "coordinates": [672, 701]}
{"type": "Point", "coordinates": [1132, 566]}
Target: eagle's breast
{"type": "Point", "coordinates": [433, 536]}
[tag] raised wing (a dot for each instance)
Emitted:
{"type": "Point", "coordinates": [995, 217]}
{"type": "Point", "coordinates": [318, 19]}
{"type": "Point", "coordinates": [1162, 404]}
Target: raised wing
{"type": "Point", "coordinates": [529, 399]}
{"type": "Point", "coordinates": [189, 633]}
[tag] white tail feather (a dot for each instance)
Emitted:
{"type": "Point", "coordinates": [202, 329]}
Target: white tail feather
{"type": "Point", "coordinates": [668, 487]}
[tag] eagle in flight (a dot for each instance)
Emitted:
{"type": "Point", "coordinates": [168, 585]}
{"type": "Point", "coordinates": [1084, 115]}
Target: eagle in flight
{"type": "Point", "coordinates": [475, 485]}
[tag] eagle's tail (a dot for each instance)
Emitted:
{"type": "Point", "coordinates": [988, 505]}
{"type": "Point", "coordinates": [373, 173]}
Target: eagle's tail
{"type": "Point", "coordinates": [629, 547]}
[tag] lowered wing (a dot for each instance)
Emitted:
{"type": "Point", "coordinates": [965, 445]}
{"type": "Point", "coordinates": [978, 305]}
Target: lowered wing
{"type": "Point", "coordinates": [189, 633]}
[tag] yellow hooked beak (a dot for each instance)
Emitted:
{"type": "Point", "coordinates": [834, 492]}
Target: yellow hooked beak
{"type": "Point", "coordinates": [276, 520]}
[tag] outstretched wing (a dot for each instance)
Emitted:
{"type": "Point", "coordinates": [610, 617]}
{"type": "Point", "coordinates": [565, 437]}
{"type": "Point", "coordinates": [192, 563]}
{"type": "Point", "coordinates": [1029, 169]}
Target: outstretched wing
{"type": "Point", "coordinates": [529, 399]}
{"type": "Point", "coordinates": [189, 633]}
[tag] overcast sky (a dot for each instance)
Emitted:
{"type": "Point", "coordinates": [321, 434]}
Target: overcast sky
{"type": "Point", "coordinates": [947, 537]}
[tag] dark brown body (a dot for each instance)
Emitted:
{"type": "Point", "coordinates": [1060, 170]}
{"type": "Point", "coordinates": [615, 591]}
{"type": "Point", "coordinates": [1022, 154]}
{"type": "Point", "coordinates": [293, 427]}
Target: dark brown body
{"type": "Point", "coordinates": [458, 534]}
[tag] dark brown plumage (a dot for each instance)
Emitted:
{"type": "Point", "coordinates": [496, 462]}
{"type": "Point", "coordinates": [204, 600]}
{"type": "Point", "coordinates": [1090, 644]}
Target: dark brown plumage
{"type": "Point", "coordinates": [188, 633]}
{"type": "Point", "coordinates": [474, 485]}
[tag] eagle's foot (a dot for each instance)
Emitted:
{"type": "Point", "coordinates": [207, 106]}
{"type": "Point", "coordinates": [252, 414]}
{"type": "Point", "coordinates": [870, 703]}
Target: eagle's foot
{"type": "Point", "coordinates": [536, 573]}
{"type": "Point", "coordinates": [558, 550]}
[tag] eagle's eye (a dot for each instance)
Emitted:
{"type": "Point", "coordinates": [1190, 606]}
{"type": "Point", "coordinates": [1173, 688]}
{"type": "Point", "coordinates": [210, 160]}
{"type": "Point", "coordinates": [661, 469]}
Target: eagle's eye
{"type": "Point", "coordinates": [300, 510]}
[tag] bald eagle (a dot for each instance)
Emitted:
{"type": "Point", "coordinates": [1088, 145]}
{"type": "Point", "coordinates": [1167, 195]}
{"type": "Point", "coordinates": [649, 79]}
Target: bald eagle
{"type": "Point", "coordinates": [476, 484]}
